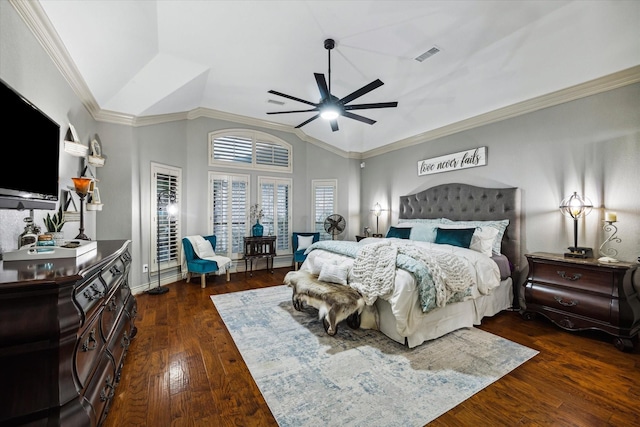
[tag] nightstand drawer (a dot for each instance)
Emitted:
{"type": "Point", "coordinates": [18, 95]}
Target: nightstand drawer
{"type": "Point", "coordinates": [588, 305]}
{"type": "Point", "coordinates": [574, 276]}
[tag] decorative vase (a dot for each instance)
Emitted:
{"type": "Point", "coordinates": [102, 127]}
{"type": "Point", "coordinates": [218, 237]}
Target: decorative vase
{"type": "Point", "coordinates": [257, 229]}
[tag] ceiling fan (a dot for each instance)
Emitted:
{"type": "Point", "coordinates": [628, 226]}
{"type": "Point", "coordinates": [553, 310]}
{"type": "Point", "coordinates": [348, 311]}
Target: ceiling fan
{"type": "Point", "coordinates": [330, 106]}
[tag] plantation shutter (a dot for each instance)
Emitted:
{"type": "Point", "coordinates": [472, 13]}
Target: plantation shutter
{"type": "Point", "coordinates": [274, 201]}
{"type": "Point", "coordinates": [230, 196]}
{"type": "Point", "coordinates": [324, 204]}
{"type": "Point", "coordinates": [166, 233]}
{"type": "Point", "coordinates": [233, 148]}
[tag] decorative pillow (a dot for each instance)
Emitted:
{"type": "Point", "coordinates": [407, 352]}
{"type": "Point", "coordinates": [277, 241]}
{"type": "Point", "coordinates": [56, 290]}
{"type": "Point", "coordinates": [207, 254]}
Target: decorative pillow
{"type": "Point", "coordinates": [304, 242]}
{"type": "Point", "coordinates": [500, 225]}
{"type": "Point", "coordinates": [482, 240]}
{"type": "Point", "coordinates": [318, 263]}
{"type": "Point", "coordinates": [399, 232]}
{"type": "Point", "coordinates": [455, 236]}
{"type": "Point", "coordinates": [334, 273]}
{"type": "Point", "coordinates": [204, 249]}
{"type": "Point", "coordinates": [423, 232]}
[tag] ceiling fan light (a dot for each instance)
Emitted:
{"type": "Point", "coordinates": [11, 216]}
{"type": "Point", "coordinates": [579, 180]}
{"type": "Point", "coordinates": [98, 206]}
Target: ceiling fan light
{"type": "Point", "coordinates": [330, 113]}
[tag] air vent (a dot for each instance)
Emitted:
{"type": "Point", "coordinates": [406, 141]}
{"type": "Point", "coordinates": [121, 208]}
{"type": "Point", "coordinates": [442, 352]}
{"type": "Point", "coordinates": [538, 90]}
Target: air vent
{"type": "Point", "coordinates": [273, 101]}
{"type": "Point", "coordinates": [428, 54]}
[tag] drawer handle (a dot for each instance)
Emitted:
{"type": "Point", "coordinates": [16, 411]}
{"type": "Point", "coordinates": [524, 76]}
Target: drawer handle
{"type": "Point", "coordinates": [108, 391]}
{"type": "Point", "coordinates": [566, 304]}
{"type": "Point", "coordinates": [115, 271]}
{"type": "Point", "coordinates": [90, 343]}
{"type": "Point", "coordinates": [126, 341]}
{"type": "Point", "coordinates": [573, 277]}
{"type": "Point", "coordinates": [113, 305]}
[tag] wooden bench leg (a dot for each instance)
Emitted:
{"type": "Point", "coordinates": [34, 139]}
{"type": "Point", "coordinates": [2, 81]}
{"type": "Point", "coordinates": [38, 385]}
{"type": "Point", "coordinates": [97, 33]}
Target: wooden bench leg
{"type": "Point", "coordinates": [203, 281]}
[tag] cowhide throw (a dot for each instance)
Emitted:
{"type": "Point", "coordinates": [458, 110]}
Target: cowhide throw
{"type": "Point", "coordinates": [334, 302]}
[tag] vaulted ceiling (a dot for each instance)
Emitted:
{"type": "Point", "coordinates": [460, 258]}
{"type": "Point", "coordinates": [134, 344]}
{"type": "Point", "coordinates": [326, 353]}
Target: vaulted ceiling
{"type": "Point", "coordinates": [146, 58]}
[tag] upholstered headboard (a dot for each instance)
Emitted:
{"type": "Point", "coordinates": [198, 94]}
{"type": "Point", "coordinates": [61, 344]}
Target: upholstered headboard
{"type": "Point", "coordinates": [462, 202]}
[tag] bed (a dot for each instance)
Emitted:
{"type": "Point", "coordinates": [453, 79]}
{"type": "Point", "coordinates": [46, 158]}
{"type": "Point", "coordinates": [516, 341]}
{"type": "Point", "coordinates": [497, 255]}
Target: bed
{"type": "Point", "coordinates": [402, 312]}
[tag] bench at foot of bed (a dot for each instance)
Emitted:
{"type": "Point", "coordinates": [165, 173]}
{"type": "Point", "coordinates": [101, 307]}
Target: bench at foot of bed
{"type": "Point", "coordinates": [334, 302]}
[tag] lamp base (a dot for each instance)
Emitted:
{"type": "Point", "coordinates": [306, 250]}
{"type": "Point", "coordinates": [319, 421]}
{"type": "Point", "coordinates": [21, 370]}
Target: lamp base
{"type": "Point", "coordinates": [82, 236]}
{"type": "Point", "coordinates": [157, 291]}
{"type": "Point", "coordinates": [578, 252]}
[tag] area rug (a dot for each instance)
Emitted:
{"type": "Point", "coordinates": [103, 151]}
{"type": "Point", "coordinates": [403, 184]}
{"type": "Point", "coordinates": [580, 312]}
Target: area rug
{"type": "Point", "coordinates": [357, 377]}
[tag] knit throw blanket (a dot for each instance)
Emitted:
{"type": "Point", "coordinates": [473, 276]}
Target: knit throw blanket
{"type": "Point", "coordinates": [440, 277]}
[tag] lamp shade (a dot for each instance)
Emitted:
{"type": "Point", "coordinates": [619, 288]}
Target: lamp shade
{"type": "Point", "coordinates": [81, 184]}
{"type": "Point", "coordinates": [576, 206]}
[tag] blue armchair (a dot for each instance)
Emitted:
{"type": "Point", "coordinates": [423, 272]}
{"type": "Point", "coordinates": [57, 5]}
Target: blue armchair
{"type": "Point", "coordinates": [196, 265]}
{"type": "Point", "coordinates": [298, 251]}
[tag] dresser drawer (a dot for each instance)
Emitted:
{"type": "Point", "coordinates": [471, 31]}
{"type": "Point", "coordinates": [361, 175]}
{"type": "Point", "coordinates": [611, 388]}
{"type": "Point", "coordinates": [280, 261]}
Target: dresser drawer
{"type": "Point", "coordinates": [110, 313]}
{"type": "Point", "coordinates": [571, 302]}
{"type": "Point", "coordinates": [574, 276]}
{"type": "Point", "coordinates": [89, 296]}
{"type": "Point", "coordinates": [114, 273]}
{"type": "Point", "coordinates": [89, 348]}
{"type": "Point", "coordinates": [101, 389]}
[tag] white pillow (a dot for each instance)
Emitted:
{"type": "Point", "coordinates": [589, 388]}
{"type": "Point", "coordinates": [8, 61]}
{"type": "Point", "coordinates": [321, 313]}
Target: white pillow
{"type": "Point", "coordinates": [482, 239]}
{"type": "Point", "coordinates": [317, 265]}
{"type": "Point", "coordinates": [334, 273]}
{"type": "Point", "coordinates": [204, 249]}
{"type": "Point", "coordinates": [304, 242]}
{"type": "Point", "coordinates": [500, 225]}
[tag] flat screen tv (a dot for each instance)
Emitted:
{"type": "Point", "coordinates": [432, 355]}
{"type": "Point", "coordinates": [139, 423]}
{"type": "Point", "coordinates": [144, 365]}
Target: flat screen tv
{"type": "Point", "coordinates": [29, 173]}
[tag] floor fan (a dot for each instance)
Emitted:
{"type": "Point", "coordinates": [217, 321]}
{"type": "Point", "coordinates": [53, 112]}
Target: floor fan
{"type": "Point", "coordinates": [334, 224]}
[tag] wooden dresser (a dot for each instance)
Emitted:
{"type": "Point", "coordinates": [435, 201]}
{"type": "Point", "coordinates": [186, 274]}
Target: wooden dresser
{"type": "Point", "coordinates": [579, 294]}
{"type": "Point", "coordinates": [65, 327]}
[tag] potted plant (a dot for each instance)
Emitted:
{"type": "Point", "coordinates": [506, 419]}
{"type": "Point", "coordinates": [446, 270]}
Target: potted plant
{"type": "Point", "coordinates": [54, 225]}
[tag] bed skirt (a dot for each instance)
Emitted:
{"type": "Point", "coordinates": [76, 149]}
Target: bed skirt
{"type": "Point", "coordinates": [449, 318]}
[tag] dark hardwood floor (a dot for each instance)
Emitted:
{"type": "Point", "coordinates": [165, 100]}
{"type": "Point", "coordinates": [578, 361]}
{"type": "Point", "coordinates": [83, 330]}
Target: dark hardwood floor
{"type": "Point", "coordinates": [183, 369]}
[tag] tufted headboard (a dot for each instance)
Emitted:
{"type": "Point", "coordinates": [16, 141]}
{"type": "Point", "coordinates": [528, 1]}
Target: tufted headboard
{"type": "Point", "coordinates": [462, 202]}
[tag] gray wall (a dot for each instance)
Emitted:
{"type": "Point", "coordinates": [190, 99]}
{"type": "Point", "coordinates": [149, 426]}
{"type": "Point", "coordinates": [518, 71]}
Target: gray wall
{"type": "Point", "coordinates": [591, 146]}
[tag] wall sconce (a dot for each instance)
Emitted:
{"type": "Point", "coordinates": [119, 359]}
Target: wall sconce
{"type": "Point", "coordinates": [166, 202]}
{"type": "Point", "coordinates": [576, 207]}
{"type": "Point", "coordinates": [377, 211]}
{"type": "Point", "coordinates": [81, 186]}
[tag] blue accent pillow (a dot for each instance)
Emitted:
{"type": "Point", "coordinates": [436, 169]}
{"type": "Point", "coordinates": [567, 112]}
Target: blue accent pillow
{"type": "Point", "coordinates": [399, 232]}
{"type": "Point", "coordinates": [455, 236]}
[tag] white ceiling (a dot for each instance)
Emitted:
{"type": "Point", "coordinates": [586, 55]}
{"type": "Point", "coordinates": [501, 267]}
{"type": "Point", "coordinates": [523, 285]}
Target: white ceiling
{"type": "Point", "coordinates": [146, 58]}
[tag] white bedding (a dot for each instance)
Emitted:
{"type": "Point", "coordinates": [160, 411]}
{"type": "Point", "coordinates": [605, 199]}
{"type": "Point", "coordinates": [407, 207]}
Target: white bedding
{"type": "Point", "coordinates": [400, 314]}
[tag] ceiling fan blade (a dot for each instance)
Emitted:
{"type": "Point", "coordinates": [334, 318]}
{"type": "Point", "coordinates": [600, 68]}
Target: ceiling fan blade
{"type": "Point", "coordinates": [358, 118]}
{"type": "Point", "coordinates": [334, 125]}
{"type": "Point", "coordinates": [367, 106]}
{"type": "Point", "coordinates": [292, 111]}
{"type": "Point", "coordinates": [363, 90]}
{"type": "Point", "coordinates": [284, 95]}
{"type": "Point", "coordinates": [322, 86]}
{"type": "Point", "coordinates": [307, 121]}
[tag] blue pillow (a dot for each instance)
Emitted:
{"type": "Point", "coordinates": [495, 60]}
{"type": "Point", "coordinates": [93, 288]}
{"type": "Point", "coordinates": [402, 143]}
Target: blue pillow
{"type": "Point", "coordinates": [455, 236]}
{"type": "Point", "coordinates": [399, 232]}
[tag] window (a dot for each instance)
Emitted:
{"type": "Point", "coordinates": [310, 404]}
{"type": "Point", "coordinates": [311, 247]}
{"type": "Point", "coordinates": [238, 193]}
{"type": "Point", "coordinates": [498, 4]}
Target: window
{"type": "Point", "coordinates": [166, 183]}
{"type": "Point", "coordinates": [274, 199]}
{"type": "Point", "coordinates": [249, 150]}
{"type": "Point", "coordinates": [230, 212]}
{"type": "Point", "coordinates": [324, 203]}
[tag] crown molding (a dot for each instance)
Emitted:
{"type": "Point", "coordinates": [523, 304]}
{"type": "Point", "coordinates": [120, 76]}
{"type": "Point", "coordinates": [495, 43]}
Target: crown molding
{"type": "Point", "coordinates": [572, 93]}
{"type": "Point", "coordinates": [36, 19]}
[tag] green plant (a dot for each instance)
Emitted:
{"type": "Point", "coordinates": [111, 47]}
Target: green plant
{"type": "Point", "coordinates": [56, 222]}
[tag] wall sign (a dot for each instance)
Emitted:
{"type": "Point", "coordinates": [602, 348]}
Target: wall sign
{"type": "Point", "coordinates": [449, 162]}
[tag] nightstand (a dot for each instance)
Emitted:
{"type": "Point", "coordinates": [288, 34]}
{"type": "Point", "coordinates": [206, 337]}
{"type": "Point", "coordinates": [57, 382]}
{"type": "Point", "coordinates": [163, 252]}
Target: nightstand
{"type": "Point", "coordinates": [579, 294]}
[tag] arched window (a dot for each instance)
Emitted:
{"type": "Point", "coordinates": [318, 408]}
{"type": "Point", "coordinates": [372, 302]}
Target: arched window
{"type": "Point", "coordinates": [249, 149]}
